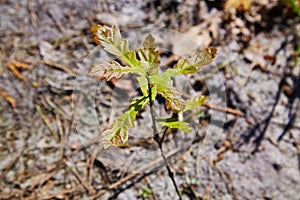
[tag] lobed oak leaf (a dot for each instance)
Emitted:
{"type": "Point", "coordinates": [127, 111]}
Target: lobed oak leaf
{"type": "Point", "coordinates": [173, 98]}
{"type": "Point", "coordinates": [118, 134]}
{"type": "Point", "coordinates": [195, 102]}
{"type": "Point", "coordinates": [112, 41]}
{"type": "Point", "coordinates": [149, 55]}
{"type": "Point", "coordinates": [189, 65]}
{"type": "Point", "coordinates": [174, 123]}
{"type": "Point", "coordinates": [139, 103]}
{"type": "Point", "coordinates": [109, 70]}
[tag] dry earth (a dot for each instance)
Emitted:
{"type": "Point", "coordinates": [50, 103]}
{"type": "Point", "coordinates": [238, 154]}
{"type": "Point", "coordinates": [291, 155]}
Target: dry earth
{"type": "Point", "coordinates": [49, 144]}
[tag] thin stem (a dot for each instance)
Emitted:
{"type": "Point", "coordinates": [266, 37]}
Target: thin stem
{"type": "Point", "coordinates": [160, 141]}
{"type": "Point", "coordinates": [155, 132]}
{"type": "Point", "coordinates": [163, 137]}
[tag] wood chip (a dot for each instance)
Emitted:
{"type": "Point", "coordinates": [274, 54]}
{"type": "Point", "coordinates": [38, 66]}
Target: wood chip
{"type": "Point", "coordinates": [15, 71]}
{"type": "Point", "coordinates": [8, 98]}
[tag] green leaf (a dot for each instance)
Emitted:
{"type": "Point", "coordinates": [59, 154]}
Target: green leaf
{"type": "Point", "coordinates": [139, 103]}
{"type": "Point", "coordinates": [149, 55]}
{"type": "Point", "coordinates": [112, 41]}
{"type": "Point", "coordinates": [143, 83]}
{"type": "Point", "coordinates": [189, 65]}
{"type": "Point", "coordinates": [173, 98]}
{"type": "Point", "coordinates": [130, 58]}
{"type": "Point", "coordinates": [146, 192]}
{"type": "Point", "coordinates": [154, 92]}
{"type": "Point", "coordinates": [195, 102]}
{"type": "Point", "coordinates": [118, 134]}
{"type": "Point", "coordinates": [146, 66]}
{"type": "Point", "coordinates": [165, 77]}
{"type": "Point", "coordinates": [174, 123]}
{"type": "Point", "coordinates": [109, 70]}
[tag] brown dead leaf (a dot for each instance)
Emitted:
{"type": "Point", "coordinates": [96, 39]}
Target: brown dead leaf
{"type": "Point", "coordinates": [20, 65]}
{"type": "Point", "coordinates": [15, 66]}
{"type": "Point", "coordinates": [15, 71]}
{"type": "Point", "coordinates": [238, 4]}
{"type": "Point", "coordinates": [8, 98]}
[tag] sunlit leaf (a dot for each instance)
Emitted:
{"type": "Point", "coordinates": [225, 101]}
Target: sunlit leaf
{"type": "Point", "coordinates": [165, 77]}
{"type": "Point", "coordinates": [109, 70]}
{"type": "Point", "coordinates": [118, 134]}
{"type": "Point", "coordinates": [189, 65]}
{"type": "Point", "coordinates": [112, 41]}
{"type": "Point", "coordinates": [145, 63]}
{"type": "Point", "coordinates": [143, 83]}
{"type": "Point", "coordinates": [195, 102]}
{"type": "Point", "coordinates": [173, 98]}
{"type": "Point", "coordinates": [153, 92]}
{"type": "Point", "coordinates": [174, 123]}
{"type": "Point", "coordinates": [149, 55]}
{"type": "Point", "coordinates": [139, 103]}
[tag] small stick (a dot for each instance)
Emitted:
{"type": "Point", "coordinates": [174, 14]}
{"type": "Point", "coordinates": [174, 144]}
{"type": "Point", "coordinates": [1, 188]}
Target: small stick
{"type": "Point", "coordinates": [9, 166]}
{"type": "Point", "coordinates": [226, 109]}
{"type": "Point", "coordinates": [58, 66]}
{"type": "Point", "coordinates": [81, 179]}
{"type": "Point", "coordinates": [148, 167]}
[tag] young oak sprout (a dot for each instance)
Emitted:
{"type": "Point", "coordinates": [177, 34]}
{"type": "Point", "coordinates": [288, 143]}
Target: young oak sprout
{"type": "Point", "coordinates": [146, 66]}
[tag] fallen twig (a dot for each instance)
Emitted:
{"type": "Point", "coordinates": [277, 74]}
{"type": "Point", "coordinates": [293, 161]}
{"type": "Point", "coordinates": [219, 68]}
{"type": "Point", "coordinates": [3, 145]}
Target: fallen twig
{"type": "Point", "coordinates": [58, 66]}
{"type": "Point", "coordinates": [10, 165]}
{"type": "Point", "coordinates": [226, 109]}
{"type": "Point", "coordinates": [150, 167]}
{"type": "Point", "coordinates": [81, 179]}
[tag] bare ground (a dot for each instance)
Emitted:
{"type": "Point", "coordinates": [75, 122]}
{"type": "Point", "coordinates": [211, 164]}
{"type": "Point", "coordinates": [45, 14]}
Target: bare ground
{"type": "Point", "coordinates": [49, 146]}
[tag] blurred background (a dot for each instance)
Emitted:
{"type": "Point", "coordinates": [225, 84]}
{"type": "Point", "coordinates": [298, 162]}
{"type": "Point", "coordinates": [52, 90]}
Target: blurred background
{"type": "Point", "coordinates": [256, 155]}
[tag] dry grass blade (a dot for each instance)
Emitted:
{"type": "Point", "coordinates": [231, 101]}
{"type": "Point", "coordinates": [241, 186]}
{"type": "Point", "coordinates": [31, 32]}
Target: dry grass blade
{"type": "Point", "coordinates": [59, 66]}
{"type": "Point", "coordinates": [47, 122]}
